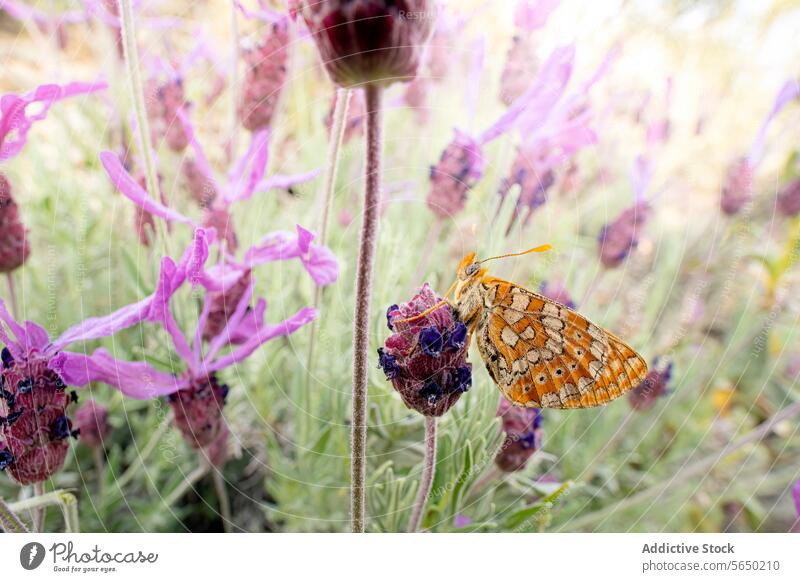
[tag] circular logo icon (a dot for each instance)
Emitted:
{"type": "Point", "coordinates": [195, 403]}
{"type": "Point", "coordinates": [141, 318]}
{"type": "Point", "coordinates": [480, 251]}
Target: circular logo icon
{"type": "Point", "coordinates": [31, 555]}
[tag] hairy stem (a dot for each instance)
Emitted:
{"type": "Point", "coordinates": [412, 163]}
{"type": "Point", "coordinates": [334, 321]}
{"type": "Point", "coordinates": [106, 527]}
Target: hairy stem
{"type": "Point", "coordinates": [62, 498]}
{"type": "Point", "coordinates": [39, 513]}
{"type": "Point", "coordinates": [9, 522]}
{"type": "Point", "coordinates": [366, 258]}
{"type": "Point", "coordinates": [224, 499]}
{"type": "Point", "coordinates": [334, 153]}
{"type": "Point", "coordinates": [128, 31]}
{"type": "Point", "coordinates": [426, 483]}
{"type": "Point", "coordinates": [12, 296]}
{"type": "Point", "coordinates": [684, 475]}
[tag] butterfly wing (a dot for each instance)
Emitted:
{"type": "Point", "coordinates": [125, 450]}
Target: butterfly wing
{"type": "Point", "coordinates": [542, 354]}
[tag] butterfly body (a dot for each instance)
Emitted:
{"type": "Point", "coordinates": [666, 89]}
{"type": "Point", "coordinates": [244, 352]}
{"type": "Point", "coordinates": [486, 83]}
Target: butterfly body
{"type": "Point", "coordinates": [541, 353]}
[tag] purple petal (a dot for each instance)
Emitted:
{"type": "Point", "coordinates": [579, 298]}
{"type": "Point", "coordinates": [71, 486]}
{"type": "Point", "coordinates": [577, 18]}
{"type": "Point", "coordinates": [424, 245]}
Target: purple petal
{"type": "Point", "coordinates": [322, 265]}
{"type": "Point", "coordinates": [251, 324]}
{"type": "Point", "coordinates": [97, 327]}
{"type": "Point", "coordinates": [199, 154]}
{"type": "Point", "coordinates": [304, 238]}
{"type": "Point", "coordinates": [789, 91]}
{"type": "Point", "coordinates": [129, 188]}
{"type": "Point", "coordinates": [280, 182]}
{"type": "Point", "coordinates": [224, 336]}
{"type": "Point", "coordinates": [276, 246]}
{"type": "Point", "coordinates": [532, 14]}
{"type": "Point", "coordinates": [17, 347]}
{"type": "Point", "coordinates": [134, 379]}
{"type": "Point", "coordinates": [256, 158]}
{"type": "Point", "coordinates": [182, 347]}
{"type": "Point", "coordinates": [15, 122]}
{"type": "Point", "coordinates": [319, 261]}
{"type": "Point", "coordinates": [531, 110]}
{"type": "Point", "coordinates": [642, 173]}
{"type": "Point", "coordinates": [796, 497]}
{"type": "Point", "coordinates": [264, 334]}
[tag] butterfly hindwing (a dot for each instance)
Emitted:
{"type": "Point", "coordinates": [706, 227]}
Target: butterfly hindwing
{"type": "Point", "coordinates": [542, 354]}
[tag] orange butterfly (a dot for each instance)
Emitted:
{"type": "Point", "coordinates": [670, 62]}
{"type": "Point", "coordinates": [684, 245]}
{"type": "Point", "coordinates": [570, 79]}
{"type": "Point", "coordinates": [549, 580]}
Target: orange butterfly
{"type": "Point", "coordinates": [539, 352]}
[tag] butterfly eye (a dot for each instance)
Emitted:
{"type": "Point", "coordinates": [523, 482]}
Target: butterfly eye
{"type": "Point", "coordinates": [472, 269]}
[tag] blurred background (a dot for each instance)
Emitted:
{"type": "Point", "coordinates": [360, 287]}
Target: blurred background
{"type": "Point", "coordinates": [659, 234]}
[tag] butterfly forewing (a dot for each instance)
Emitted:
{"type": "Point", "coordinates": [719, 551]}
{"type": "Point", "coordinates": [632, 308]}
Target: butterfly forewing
{"type": "Point", "coordinates": [542, 354]}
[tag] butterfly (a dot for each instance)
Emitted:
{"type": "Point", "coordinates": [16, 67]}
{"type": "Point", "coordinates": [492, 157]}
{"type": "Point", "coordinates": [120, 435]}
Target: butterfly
{"type": "Point", "coordinates": [540, 353]}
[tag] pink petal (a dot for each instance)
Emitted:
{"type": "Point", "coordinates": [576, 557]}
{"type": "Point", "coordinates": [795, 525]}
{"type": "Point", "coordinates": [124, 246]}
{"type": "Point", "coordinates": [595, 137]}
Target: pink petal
{"type": "Point", "coordinates": [256, 158]}
{"type": "Point", "coordinates": [199, 154]}
{"type": "Point", "coordinates": [264, 334]}
{"type": "Point", "coordinates": [319, 261]}
{"type": "Point", "coordinates": [790, 90]}
{"type": "Point", "coordinates": [15, 122]}
{"type": "Point", "coordinates": [251, 323]}
{"type": "Point", "coordinates": [280, 182]}
{"type": "Point", "coordinates": [304, 238]}
{"type": "Point", "coordinates": [97, 327]}
{"type": "Point", "coordinates": [532, 14]}
{"type": "Point", "coordinates": [224, 337]}
{"type": "Point", "coordinates": [322, 265]}
{"type": "Point", "coordinates": [129, 188]}
{"type": "Point", "coordinates": [134, 379]}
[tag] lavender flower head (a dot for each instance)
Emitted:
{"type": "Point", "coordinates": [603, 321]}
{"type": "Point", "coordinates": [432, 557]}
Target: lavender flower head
{"type": "Point", "coordinates": [789, 199]}
{"type": "Point", "coordinates": [369, 41]}
{"type": "Point", "coordinates": [738, 188]}
{"type": "Point", "coordinates": [654, 386]}
{"type": "Point", "coordinates": [426, 358]}
{"type": "Point", "coordinates": [266, 65]}
{"type": "Point", "coordinates": [557, 292]}
{"type": "Point", "coordinates": [163, 100]}
{"type": "Point", "coordinates": [91, 420]}
{"type": "Point", "coordinates": [523, 430]}
{"type": "Point", "coordinates": [14, 244]}
{"type": "Point", "coordinates": [458, 171]}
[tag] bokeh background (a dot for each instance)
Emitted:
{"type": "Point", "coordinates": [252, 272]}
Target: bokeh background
{"type": "Point", "coordinates": [713, 297]}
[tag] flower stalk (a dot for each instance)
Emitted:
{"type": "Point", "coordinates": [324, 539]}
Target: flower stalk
{"type": "Point", "coordinates": [366, 259]}
{"type": "Point", "coordinates": [426, 483]}
{"type": "Point", "coordinates": [9, 522]}
{"type": "Point", "coordinates": [334, 153]}
{"type": "Point", "coordinates": [128, 31]}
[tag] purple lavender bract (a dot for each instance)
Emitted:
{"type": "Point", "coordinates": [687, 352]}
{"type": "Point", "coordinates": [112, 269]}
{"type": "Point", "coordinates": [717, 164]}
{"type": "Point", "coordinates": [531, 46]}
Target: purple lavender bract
{"type": "Point", "coordinates": [618, 238]}
{"type": "Point", "coordinates": [655, 385]}
{"type": "Point", "coordinates": [426, 358]}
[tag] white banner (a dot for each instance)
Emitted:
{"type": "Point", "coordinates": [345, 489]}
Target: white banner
{"type": "Point", "coordinates": [454, 557]}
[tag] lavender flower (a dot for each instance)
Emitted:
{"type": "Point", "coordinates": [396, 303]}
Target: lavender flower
{"type": "Point", "coordinates": [163, 101]}
{"type": "Point", "coordinates": [789, 200]}
{"type": "Point", "coordinates": [200, 186]}
{"type": "Point", "coordinates": [34, 424]}
{"type": "Point", "coordinates": [655, 385]}
{"type": "Point", "coordinates": [557, 292]}
{"type": "Point", "coordinates": [14, 244]}
{"type": "Point", "coordinates": [426, 358]}
{"type": "Point", "coordinates": [91, 420]}
{"type": "Point", "coordinates": [523, 430]}
{"type": "Point", "coordinates": [368, 41]}
{"type": "Point", "coordinates": [265, 74]}
{"type": "Point", "coordinates": [195, 393]}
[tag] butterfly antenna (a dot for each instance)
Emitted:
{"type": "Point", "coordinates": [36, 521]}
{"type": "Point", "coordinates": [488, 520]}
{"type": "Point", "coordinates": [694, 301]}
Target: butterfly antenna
{"type": "Point", "coordinates": [539, 249]}
{"type": "Point", "coordinates": [430, 309]}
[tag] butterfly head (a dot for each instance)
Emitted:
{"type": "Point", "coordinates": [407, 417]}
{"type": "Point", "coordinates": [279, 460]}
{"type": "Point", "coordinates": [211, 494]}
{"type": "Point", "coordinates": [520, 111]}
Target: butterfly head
{"type": "Point", "coordinates": [469, 267]}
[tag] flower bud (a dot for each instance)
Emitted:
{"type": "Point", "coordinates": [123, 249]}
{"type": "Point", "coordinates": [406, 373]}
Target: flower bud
{"type": "Point", "coordinates": [14, 244]}
{"type": "Point", "coordinates": [199, 186]}
{"type": "Point", "coordinates": [92, 422]}
{"type": "Point", "coordinates": [534, 180]}
{"type": "Point", "coordinates": [219, 218]}
{"type": "Point", "coordinates": [458, 170]}
{"type": "Point", "coordinates": [789, 199]}
{"type": "Point", "coordinates": [198, 410]}
{"type": "Point", "coordinates": [223, 304]}
{"type": "Point", "coordinates": [264, 77]}
{"type": "Point", "coordinates": [620, 237]}
{"type": "Point", "coordinates": [522, 427]}
{"type": "Point", "coordinates": [163, 102]}
{"type": "Point", "coordinates": [654, 386]}
{"type": "Point", "coordinates": [426, 358]}
{"type": "Point", "coordinates": [369, 41]}
{"type": "Point", "coordinates": [738, 188]}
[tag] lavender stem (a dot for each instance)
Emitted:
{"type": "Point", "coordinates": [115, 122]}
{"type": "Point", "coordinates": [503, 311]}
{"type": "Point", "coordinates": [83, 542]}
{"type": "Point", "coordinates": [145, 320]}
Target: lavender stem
{"type": "Point", "coordinates": [9, 522]}
{"type": "Point", "coordinates": [366, 258]}
{"type": "Point", "coordinates": [12, 296]}
{"type": "Point", "coordinates": [426, 483]}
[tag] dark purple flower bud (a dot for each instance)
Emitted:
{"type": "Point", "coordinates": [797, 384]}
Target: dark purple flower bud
{"type": "Point", "coordinates": [458, 170]}
{"type": "Point", "coordinates": [534, 179]}
{"type": "Point", "coordinates": [34, 426]}
{"type": "Point", "coordinates": [6, 458]}
{"type": "Point", "coordinates": [655, 385]}
{"type": "Point", "coordinates": [198, 410]}
{"type": "Point", "coordinates": [163, 101]}
{"type": "Point", "coordinates": [557, 292]}
{"type": "Point", "coordinates": [523, 430]}
{"type": "Point", "coordinates": [219, 218]}
{"type": "Point", "coordinates": [266, 62]}
{"type": "Point", "coordinates": [369, 41]}
{"type": "Point", "coordinates": [789, 199]}
{"type": "Point", "coordinates": [431, 342]}
{"type": "Point", "coordinates": [738, 188]}
{"type": "Point", "coordinates": [8, 359]}
{"type": "Point", "coordinates": [392, 308]}
{"type": "Point", "coordinates": [457, 338]}
{"type": "Point", "coordinates": [426, 358]}
{"type": "Point", "coordinates": [92, 422]}
{"type": "Point", "coordinates": [14, 244]}
{"type": "Point", "coordinates": [618, 238]}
